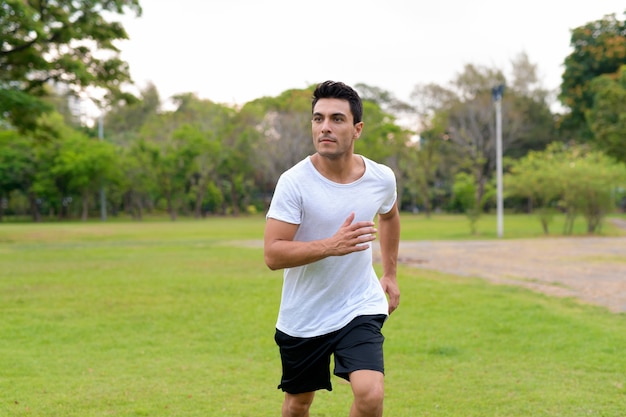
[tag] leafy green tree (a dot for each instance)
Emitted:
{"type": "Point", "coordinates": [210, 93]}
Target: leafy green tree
{"type": "Point", "coordinates": [607, 116]}
{"type": "Point", "coordinates": [599, 47]}
{"type": "Point", "coordinates": [124, 120]}
{"type": "Point", "coordinates": [138, 185]}
{"type": "Point", "coordinates": [189, 148]}
{"type": "Point", "coordinates": [209, 139]}
{"type": "Point", "coordinates": [66, 42]}
{"type": "Point", "coordinates": [464, 192]}
{"type": "Point", "coordinates": [537, 179]}
{"type": "Point", "coordinates": [464, 112]}
{"type": "Point", "coordinates": [423, 165]}
{"type": "Point", "coordinates": [168, 159]}
{"type": "Point", "coordinates": [582, 181]}
{"type": "Point", "coordinates": [236, 170]}
{"type": "Point", "coordinates": [279, 132]}
{"type": "Point", "coordinates": [205, 154]}
{"type": "Point", "coordinates": [66, 166]}
{"type": "Point", "coordinates": [17, 165]}
{"type": "Point", "coordinates": [155, 139]}
{"type": "Point", "coordinates": [529, 114]}
{"type": "Point", "coordinates": [382, 139]}
{"type": "Point", "coordinates": [86, 163]}
{"type": "Point", "coordinates": [589, 181]}
{"type": "Point", "coordinates": [47, 193]}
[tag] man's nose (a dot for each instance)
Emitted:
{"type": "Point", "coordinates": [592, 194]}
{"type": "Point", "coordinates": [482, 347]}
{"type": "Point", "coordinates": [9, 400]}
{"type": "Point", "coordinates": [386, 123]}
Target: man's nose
{"type": "Point", "coordinates": [325, 126]}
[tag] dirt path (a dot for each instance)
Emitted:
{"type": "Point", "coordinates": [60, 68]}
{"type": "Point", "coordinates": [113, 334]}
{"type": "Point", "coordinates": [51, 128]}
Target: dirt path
{"type": "Point", "coordinates": [592, 269]}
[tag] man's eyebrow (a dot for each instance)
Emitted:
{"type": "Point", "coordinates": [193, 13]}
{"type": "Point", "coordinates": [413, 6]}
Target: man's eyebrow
{"type": "Point", "coordinates": [332, 115]}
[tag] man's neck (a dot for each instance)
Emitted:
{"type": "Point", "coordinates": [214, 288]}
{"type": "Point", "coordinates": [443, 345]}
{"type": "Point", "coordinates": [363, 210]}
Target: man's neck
{"type": "Point", "coordinates": [343, 170]}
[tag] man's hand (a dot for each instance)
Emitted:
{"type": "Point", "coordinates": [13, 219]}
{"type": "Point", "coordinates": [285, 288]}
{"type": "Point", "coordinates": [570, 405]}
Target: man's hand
{"type": "Point", "coordinates": [391, 288]}
{"type": "Point", "coordinates": [351, 237]}
{"type": "Point", "coordinates": [281, 251]}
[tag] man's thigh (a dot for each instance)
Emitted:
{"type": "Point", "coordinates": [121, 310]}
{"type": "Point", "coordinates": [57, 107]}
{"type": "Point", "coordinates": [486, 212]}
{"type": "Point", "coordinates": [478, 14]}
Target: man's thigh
{"type": "Point", "coordinates": [305, 363]}
{"type": "Point", "coordinates": [360, 347]}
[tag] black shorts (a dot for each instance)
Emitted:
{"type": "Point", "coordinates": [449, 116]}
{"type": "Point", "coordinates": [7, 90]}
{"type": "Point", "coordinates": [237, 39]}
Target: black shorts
{"type": "Point", "coordinates": [306, 361]}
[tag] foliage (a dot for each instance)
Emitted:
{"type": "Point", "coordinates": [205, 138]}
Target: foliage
{"type": "Point", "coordinates": [599, 47]}
{"type": "Point", "coordinates": [16, 165]}
{"type": "Point", "coordinates": [84, 164]}
{"type": "Point", "coordinates": [464, 192]}
{"type": "Point", "coordinates": [123, 121]}
{"type": "Point", "coordinates": [65, 42]}
{"type": "Point", "coordinates": [280, 133]}
{"type": "Point", "coordinates": [202, 158]}
{"type": "Point", "coordinates": [579, 180]}
{"type": "Point", "coordinates": [463, 113]}
{"type": "Point", "coordinates": [607, 116]}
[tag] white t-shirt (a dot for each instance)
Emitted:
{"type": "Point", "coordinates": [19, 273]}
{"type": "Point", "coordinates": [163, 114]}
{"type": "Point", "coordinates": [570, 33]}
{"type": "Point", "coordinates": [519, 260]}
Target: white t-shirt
{"type": "Point", "coordinates": [324, 296]}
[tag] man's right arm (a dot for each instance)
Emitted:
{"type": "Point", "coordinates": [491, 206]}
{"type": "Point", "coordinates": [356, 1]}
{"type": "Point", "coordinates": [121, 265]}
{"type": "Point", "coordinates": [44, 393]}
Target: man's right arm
{"type": "Point", "coordinates": [281, 251]}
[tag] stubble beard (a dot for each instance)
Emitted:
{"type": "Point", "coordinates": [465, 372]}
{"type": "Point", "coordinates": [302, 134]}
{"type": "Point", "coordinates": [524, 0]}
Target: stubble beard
{"type": "Point", "coordinates": [333, 154]}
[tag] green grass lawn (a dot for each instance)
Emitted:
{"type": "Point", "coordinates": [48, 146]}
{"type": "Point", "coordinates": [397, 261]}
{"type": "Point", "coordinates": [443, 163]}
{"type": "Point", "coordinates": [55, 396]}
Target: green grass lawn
{"type": "Point", "coordinates": [177, 319]}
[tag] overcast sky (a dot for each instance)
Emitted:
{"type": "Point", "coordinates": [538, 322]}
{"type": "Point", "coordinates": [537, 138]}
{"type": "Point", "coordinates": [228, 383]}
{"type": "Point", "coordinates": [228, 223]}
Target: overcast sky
{"type": "Point", "coordinates": [234, 51]}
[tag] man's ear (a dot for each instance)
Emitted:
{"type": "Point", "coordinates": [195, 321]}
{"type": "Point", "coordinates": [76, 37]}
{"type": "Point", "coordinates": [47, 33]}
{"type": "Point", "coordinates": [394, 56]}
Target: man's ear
{"type": "Point", "coordinates": [358, 128]}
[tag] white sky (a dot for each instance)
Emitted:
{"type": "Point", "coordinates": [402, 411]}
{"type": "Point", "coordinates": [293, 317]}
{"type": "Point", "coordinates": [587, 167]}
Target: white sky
{"type": "Point", "coordinates": [234, 51]}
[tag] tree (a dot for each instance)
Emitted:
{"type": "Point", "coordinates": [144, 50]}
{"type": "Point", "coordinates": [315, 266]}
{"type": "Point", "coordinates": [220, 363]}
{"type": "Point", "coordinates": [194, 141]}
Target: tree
{"type": "Point", "coordinates": [464, 190]}
{"type": "Point", "coordinates": [529, 109]}
{"type": "Point", "coordinates": [599, 48]}
{"type": "Point", "coordinates": [17, 165]}
{"type": "Point", "coordinates": [138, 186]}
{"type": "Point", "coordinates": [279, 133]}
{"type": "Point", "coordinates": [123, 121]}
{"type": "Point", "coordinates": [536, 178]}
{"type": "Point", "coordinates": [468, 108]}
{"type": "Point", "coordinates": [465, 110]}
{"type": "Point", "coordinates": [188, 148]}
{"type": "Point", "coordinates": [66, 42]}
{"type": "Point", "coordinates": [209, 143]}
{"type": "Point", "coordinates": [382, 140]}
{"type": "Point", "coordinates": [424, 163]}
{"type": "Point", "coordinates": [85, 163]}
{"type": "Point", "coordinates": [577, 178]}
{"type": "Point", "coordinates": [607, 116]}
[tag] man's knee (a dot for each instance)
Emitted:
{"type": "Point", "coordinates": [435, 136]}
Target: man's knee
{"type": "Point", "coordinates": [370, 399]}
{"type": "Point", "coordinates": [369, 392]}
{"type": "Point", "coordinates": [297, 405]}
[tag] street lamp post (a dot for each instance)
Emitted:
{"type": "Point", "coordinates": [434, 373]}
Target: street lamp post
{"type": "Point", "coordinates": [497, 98]}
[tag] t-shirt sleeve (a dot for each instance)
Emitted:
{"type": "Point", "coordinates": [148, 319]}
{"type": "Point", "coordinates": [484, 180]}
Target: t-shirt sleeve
{"type": "Point", "coordinates": [286, 204]}
{"type": "Point", "coordinates": [392, 195]}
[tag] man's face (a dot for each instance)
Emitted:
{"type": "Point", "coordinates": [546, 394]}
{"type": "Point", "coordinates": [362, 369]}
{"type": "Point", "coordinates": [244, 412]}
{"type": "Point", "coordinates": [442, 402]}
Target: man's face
{"type": "Point", "coordinates": [333, 128]}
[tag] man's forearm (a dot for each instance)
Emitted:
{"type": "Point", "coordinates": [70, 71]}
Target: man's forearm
{"type": "Point", "coordinates": [389, 237]}
{"type": "Point", "coordinates": [290, 253]}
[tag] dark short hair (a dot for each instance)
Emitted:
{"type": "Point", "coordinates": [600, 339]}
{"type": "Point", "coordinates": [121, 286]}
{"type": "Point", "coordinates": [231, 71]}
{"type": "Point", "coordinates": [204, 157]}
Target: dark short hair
{"type": "Point", "coordinates": [336, 89]}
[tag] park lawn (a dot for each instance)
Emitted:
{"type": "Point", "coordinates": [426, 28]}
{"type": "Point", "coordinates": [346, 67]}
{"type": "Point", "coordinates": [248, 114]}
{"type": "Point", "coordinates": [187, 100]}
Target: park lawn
{"type": "Point", "coordinates": [177, 319]}
{"type": "Point", "coordinates": [414, 227]}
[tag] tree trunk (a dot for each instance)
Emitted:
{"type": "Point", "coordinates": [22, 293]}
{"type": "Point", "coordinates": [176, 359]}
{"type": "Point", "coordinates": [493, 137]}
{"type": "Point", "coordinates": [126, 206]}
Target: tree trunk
{"type": "Point", "coordinates": [85, 209]}
{"type": "Point", "coordinates": [170, 206]}
{"type": "Point", "coordinates": [34, 209]}
{"type": "Point", "coordinates": [197, 211]}
{"type": "Point", "coordinates": [234, 198]}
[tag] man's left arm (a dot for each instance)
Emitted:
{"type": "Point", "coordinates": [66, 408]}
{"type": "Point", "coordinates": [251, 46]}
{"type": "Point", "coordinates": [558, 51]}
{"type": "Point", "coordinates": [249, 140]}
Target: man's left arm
{"type": "Point", "coordinates": [389, 238]}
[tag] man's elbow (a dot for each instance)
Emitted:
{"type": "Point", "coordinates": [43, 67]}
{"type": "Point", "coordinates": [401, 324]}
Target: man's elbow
{"type": "Point", "coordinates": [271, 262]}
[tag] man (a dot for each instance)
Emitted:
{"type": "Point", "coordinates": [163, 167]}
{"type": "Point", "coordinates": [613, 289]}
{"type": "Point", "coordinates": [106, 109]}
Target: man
{"type": "Point", "coordinates": [319, 228]}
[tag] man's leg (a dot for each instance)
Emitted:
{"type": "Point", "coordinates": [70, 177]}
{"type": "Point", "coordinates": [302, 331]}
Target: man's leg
{"type": "Point", "coordinates": [368, 388]}
{"type": "Point", "coordinates": [297, 405]}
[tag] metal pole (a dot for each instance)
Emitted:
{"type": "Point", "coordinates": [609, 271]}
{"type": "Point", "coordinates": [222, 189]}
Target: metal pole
{"type": "Point", "coordinates": [500, 205]}
{"type": "Point", "coordinates": [103, 201]}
